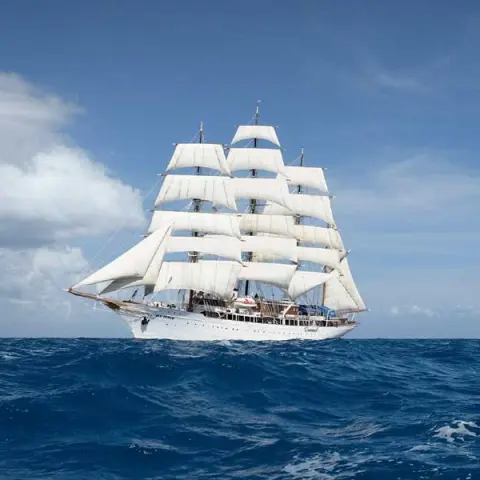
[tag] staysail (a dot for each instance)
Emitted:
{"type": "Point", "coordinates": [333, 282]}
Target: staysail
{"type": "Point", "coordinates": [341, 293]}
{"type": "Point", "coordinates": [132, 264]}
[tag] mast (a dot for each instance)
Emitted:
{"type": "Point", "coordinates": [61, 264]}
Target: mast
{"type": "Point", "coordinates": [324, 289]}
{"type": "Point", "coordinates": [253, 201]}
{"type": "Point", "coordinates": [298, 221]}
{"type": "Point", "coordinates": [196, 209]}
{"type": "Point", "coordinates": [298, 218]}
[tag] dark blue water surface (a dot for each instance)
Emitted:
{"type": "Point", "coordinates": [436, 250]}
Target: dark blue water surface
{"type": "Point", "coordinates": [363, 409]}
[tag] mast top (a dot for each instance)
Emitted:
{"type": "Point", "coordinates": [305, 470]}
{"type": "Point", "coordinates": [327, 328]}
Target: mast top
{"type": "Point", "coordinates": [301, 157]}
{"type": "Point", "coordinates": [257, 112]}
{"type": "Point", "coordinates": [200, 132]}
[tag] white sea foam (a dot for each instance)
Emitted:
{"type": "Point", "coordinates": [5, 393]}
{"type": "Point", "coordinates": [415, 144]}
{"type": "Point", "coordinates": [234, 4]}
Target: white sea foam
{"type": "Point", "coordinates": [9, 356]}
{"type": "Point", "coordinates": [318, 466]}
{"type": "Point", "coordinates": [419, 448]}
{"type": "Point", "coordinates": [357, 430]}
{"type": "Point", "coordinates": [328, 466]}
{"type": "Point", "coordinates": [458, 431]}
{"type": "Point", "coordinates": [147, 447]}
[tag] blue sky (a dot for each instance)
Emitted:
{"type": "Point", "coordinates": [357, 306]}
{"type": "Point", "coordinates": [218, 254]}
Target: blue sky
{"type": "Point", "coordinates": [385, 94]}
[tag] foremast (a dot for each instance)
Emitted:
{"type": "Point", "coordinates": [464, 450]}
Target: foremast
{"type": "Point", "coordinates": [298, 218]}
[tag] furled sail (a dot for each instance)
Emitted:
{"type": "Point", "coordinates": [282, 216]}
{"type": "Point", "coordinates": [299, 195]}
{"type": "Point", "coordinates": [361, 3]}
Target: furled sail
{"type": "Point", "coordinates": [133, 263]}
{"type": "Point", "coordinates": [312, 177]}
{"type": "Point", "coordinates": [207, 155]}
{"type": "Point", "coordinates": [217, 190]}
{"type": "Point", "coordinates": [210, 276]}
{"type": "Point", "coordinates": [220, 224]}
{"type": "Point", "coordinates": [268, 159]}
{"type": "Point", "coordinates": [262, 132]}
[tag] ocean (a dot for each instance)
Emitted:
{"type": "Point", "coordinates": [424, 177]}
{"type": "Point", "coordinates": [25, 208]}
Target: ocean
{"type": "Point", "coordinates": [341, 409]}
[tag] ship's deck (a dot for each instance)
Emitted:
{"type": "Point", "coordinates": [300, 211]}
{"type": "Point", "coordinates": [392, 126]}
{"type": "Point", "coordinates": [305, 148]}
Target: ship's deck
{"type": "Point", "coordinates": [266, 312]}
{"type": "Point", "coordinates": [290, 320]}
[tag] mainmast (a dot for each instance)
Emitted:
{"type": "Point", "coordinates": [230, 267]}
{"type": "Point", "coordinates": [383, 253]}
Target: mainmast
{"type": "Point", "coordinates": [324, 290]}
{"type": "Point", "coordinates": [298, 218]}
{"type": "Point", "coordinates": [253, 201]}
{"type": "Point", "coordinates": [196, 209]}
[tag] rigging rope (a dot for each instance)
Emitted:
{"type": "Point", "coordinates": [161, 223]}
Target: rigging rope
{"type": "Point", "coordinates": [114, 234]}
{"type": "Point", "coordinates": [124, 223]}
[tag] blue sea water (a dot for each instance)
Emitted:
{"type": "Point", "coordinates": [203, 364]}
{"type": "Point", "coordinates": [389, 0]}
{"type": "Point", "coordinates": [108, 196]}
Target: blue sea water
{"type": "Point", "coordinates": [345, 409]}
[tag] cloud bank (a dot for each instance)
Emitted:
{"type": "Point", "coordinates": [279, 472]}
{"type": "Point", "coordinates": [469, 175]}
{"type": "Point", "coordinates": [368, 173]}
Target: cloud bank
{"type": "Point", "coordinates": [52, 193]}
{"type": "Point", "coordinates": [49, 190]}
{"type": "Point", "coordinates": [412, 222]}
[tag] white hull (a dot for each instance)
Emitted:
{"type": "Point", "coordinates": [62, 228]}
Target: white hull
{"type": "Point", "coordinates": [180, 325]}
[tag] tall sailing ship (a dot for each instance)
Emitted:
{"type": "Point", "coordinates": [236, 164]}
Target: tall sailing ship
{"type": "Point", "coordinates": [252, 256]}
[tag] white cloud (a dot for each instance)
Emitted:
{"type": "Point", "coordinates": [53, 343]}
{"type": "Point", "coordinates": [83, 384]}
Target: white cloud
{"type": "Point", "coordinates": [421, 187]}
{"type": "Point", "coordinates": [50, 190]}
{"type": "Point", "coordinates": [35, 277]}
{"type": "Point", "coordinates": [468, 310]}
{"type": "Point", "coordinates": [51, 194]}
{"type": "Point", "coordinates": [412, 310]}
{"type": "Point", "coordinates": [30, 120]}
{"type": "Point", "coordinates": [33, 300]}
{"type": "Point", "coordinates": [360, 70]}
{"type": "Point", "coordinates": [399, 82]}
{"type": "Point", "coordinates": [412, 224]}
{"type": "Point", "coordinates": [61, 194]}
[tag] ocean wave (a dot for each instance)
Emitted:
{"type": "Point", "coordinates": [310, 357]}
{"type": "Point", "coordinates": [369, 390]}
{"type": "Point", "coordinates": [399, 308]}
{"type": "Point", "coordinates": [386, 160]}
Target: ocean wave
{"type": "Point", "coordinates": [159, 409]}
{"type": "Point", "coordinates": [459, 431]}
